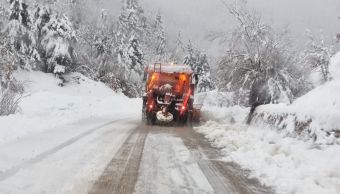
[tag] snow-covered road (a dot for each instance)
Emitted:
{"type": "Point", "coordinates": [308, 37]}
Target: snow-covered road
{"type": "Point", "coordinates": [121, 155]}
{"type": "Point", "coordinates": [171, 160]}
{"type": "Point", "coordinates": [62, 160]}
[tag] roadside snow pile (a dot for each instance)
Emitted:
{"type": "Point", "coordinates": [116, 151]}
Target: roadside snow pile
{"type": "Point", "coordinates": [315, 115]}
{"type": "Point", "coordinates": [214, 105]}
{"type": "Point", "coordinates": [287, 164]}
{"type": "Point", "coordinates": [46, 105]}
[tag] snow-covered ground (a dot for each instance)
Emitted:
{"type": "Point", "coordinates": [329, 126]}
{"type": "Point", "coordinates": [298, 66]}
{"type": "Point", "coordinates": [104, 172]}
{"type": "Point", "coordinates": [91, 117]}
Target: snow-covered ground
{"type": "Point", "coordinates": [275, 153]}
{"type": "Point", "coordinates": [46, 105]}
{"type": "Point", "coordinates": [63, 137]}
{"type": "Point", "coordinates": [289, 165]}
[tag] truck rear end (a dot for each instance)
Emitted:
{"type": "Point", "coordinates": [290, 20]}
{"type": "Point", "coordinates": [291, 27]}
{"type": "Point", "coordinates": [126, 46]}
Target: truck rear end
{"type": "Point", "coordinates": [169, 94]}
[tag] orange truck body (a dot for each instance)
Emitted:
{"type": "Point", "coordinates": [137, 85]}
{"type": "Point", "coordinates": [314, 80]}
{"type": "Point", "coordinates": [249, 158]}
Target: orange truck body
{"type": "Point", "coordinates": [169, 93]}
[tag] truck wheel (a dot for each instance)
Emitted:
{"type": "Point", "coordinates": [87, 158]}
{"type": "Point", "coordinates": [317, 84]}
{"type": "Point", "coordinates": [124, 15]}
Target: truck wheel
{"type": "Point", "coordinates": [151, 119]}
{"type": "Point", "coordinates": [144, 114]}
{"type": "Point", "coordinates": [144, 117]}
{"type": "Point", "coordinates": [182, 119]}
{"type": "Point", "coordinates": [189, 119]}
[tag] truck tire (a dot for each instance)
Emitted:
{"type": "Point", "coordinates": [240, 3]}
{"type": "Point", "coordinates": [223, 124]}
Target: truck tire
{"type": "Point", "coordinates": [144, 114]}
{"type": "Point", "coordinates": [189, 119]}
{"type": "Point", "coordinates": [182, 119]}
{"type": "Point", "coordinates": [151, 119]}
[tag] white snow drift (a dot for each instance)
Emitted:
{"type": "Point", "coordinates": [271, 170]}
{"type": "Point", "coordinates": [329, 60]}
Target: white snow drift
{"type": "Point", "coordinates": [280, 158]}
{"type": "Point", "coordinates": [288, 165]}
{"type": "Point", "coordinates": [46, 105]}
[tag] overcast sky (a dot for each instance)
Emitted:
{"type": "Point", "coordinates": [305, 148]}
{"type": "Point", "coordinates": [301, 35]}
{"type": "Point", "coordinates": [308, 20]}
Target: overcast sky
{"type": "Point", "coordinates": [197, 18]}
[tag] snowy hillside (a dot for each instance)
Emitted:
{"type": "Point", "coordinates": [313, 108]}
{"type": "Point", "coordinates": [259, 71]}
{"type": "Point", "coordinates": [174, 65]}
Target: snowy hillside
{"type": "Point", "coordinates": [315, 114]}
{"type": "Point", "coordinates": [45, 105]}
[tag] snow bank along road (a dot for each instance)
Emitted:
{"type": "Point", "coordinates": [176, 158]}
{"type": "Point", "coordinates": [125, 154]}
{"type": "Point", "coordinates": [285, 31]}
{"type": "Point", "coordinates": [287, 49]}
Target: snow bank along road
{"type": "Point", "coordinates": [171, 160]}
{"type": "Point", "coordinates": [118, 156]}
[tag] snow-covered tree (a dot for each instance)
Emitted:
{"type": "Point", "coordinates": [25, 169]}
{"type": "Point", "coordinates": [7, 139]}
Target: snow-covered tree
{"type": "Point", "coordinates": [135, 56]}
{"type": "Point", "coordinates": [129, 36]}
{"type": "Point", "coordinates": [198, 61]}
{"type": "Point", "coordinates": [20, 38]}
{"type": "Point", "coordinates": [77, 12]}
{"type": "Point", "coordinates": [257, 66]}
{"type": "Point", "coordinates": [177, 48]}
{"type": "Point", "coordinates": [96, 47]}
{"type": "Point", "coordinates": [3, 17]}
{"type": "Point", "coordinates": [56, 38]}
{"type": "Point", "coordinates": [160, 38]}
{"type": "Point", "coordinates": [191, 57]}
{"type": "Point", "coordinates": [317, 55]}
{"type": "Point", "coordinates": [205, 82]}
{"type": "Point", "coordinates": [155, 43]}
{"type": "Point", "coordinates": [131, 28]}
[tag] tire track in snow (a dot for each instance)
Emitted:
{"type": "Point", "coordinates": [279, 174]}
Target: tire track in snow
{"type": "Point", "coordinates": [223, 177]}
{"type": "Point", "coordinates": [14, 170]}
{"type": "Point", "coordinates": [168, 167]}
{"type": "Point", "coordinates": [121, 173]}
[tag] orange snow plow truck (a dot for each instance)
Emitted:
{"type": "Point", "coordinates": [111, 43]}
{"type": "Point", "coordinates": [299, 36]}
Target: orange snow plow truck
{"type": "Point", "coordinates": [169, 95]}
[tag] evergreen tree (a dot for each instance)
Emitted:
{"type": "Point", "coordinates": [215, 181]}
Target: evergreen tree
{"type": "Point", "coordinates": [3, 16]}
{"type": "Point", "coordinates": [198, 61]}
{"type": "Point", "coordinates": [131, 22]}
{"type": "Point", "coordinates": [203, 70]}
{"type": "Point", "coordinates": [131, 26]}
{"type": "Point", "coordinates": [178, 49]}
{"type": "Point", "coordinates": [135, 56]}
{"type": "Point", "coordinates": [191, 57]}
{"type": "Point", "coordinates": [20, 37]}
{"type": "Point", "coordinates": [77, 12]}
{"type": "Point", "coordinates": [129, 37]}
{"type": "Point", "coordinates": [160, 38]}
{"type": "Point", "coordinates": [156, 41]}
{"type": "Point", "coordinates": [42, 17]}
{"type": "Point", "coordinates": [56, 38]}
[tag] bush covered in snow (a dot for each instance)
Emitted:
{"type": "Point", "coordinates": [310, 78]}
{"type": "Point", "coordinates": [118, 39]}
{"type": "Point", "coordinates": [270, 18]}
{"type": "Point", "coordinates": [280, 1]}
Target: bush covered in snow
{"type": "Point", "coordinates": [9, 102]}
{"type": "Point", "coordinates": [317, 56]}
{"type": "Point", "coordinates": [10, 90]}
{"type": "Point", "coordinates": [258, 62]}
